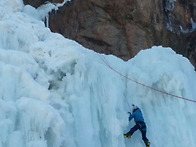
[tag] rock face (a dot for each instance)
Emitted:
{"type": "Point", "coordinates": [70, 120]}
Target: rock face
{"type": "Point", "coordinates": [124, 27]}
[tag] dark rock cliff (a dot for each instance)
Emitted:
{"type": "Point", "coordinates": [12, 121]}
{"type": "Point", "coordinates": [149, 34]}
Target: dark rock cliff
{"type": "Point", "coordinates": [124, 27]}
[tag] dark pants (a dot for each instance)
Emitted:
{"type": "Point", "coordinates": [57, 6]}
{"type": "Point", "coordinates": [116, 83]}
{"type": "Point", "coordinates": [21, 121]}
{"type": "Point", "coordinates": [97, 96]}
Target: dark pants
{"type": "Point", "coordinates": [142, 127]}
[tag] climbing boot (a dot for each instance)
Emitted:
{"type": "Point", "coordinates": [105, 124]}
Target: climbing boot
{"type": "Point", "coordinates": [148, 144]}
{"type": "Point", "coordinates": [127, 136]}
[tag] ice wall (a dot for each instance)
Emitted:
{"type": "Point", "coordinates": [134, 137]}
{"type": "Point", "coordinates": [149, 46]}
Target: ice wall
{"type": "Point", "coordinates": [55, 93]}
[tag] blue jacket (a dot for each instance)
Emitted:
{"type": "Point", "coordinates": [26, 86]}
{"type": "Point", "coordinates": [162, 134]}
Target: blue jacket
{"type": "Point", "coordinates": [137, 115]}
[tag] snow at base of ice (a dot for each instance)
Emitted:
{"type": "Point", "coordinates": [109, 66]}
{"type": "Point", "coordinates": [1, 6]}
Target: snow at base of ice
{"type": "Point", "coordinates": [56, 93]}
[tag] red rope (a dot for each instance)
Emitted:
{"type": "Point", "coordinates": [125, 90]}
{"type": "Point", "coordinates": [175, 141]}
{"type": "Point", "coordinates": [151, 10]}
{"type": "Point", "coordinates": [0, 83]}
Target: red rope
{"type": "Point", "coordinates": [160, 91]}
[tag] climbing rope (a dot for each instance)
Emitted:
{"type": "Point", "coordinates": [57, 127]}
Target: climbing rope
{"type": "Point", "coordinates": [154, 89]}
{"type": "Point", "coordinates": [129, 106]}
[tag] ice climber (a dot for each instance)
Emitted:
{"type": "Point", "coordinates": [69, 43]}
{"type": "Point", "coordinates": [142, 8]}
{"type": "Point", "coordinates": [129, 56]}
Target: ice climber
{"type": "Point", "coordinates": [139, 124]}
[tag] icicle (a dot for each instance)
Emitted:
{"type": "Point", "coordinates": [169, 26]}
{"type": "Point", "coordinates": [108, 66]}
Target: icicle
{"type": "Point", "coordinates": [47, 21]}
